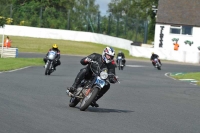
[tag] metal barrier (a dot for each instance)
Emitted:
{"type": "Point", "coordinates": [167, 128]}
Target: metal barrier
{"type": "Point", "coordinates": [9, 52]}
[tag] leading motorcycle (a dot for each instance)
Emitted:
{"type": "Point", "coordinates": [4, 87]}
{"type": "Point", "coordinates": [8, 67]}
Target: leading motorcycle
{"type": "Point", "coordinates": [50, 62]}
{"type": "Point", "coordinates": [88, 89]}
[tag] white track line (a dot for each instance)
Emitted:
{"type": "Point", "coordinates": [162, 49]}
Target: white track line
{"type": "Point", "coordinates": [135, 66]}
{"type": "Point", "coordinates": [16, 69]}
{"type": "Point", "coordinates": [167, 75]}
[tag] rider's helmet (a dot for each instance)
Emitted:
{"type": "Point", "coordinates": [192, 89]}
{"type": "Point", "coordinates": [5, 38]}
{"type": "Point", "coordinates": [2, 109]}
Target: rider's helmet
{"type": "Point", "coordinates": [152, 53]}
{"type": "Point", "coordinates": [55, 47]}
{"type": "Point", "coordinates": [108, 54]}
{"type": "Point", "coordinates": [120, 52]}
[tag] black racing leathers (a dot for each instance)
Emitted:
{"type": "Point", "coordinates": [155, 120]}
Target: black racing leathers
{"type": "Point", "coordinates": [123, 58]}
{"type": "Point", "coordinates": [121, 54]}
{"type": "Point", "coordinates": [86, 73]}
{"type": "Point", "coordinates": [57, 59]}
{"type": "Point", "coordinates": [153, 56]}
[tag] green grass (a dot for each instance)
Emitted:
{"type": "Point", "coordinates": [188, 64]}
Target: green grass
{"type": "Point", "coordinates": [42, 45]}
{"type": "Point", "coordinates": [14, 63]}
{"type": "Point", "coordinates": [194, 75]}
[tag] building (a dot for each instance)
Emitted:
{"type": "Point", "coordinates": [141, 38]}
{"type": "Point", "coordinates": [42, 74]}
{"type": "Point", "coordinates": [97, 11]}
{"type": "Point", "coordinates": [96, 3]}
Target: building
{"type": "Point", "coordinates": [180, 20]}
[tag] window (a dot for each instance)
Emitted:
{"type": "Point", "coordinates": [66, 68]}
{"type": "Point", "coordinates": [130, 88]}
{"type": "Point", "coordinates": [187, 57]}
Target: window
{"type": "Point", "coordinates": [185, 30]}
{"type": "Point", "coordinates": [175, 31]}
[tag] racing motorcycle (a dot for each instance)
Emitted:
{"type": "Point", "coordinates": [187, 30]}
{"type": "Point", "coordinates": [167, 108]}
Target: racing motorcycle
{"type": "Point", "coordinates": [120, 63]}
{"type": "Point", "coordinates": [50, 62]}
{"type": "Point", "coordinates": [88, 89]}
{"type": "Point", "coordinates": [157, 63]}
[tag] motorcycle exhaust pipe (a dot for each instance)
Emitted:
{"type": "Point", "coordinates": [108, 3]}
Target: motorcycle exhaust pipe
{"type": "Point", "coordinates": [69, 93]}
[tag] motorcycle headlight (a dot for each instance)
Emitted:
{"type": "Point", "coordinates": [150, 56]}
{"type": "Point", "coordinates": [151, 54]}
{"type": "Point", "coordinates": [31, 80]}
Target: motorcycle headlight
{"type": "Point", "coordinates": [51, 57]}
{"type": "Point", "coordinates": [103, 75]}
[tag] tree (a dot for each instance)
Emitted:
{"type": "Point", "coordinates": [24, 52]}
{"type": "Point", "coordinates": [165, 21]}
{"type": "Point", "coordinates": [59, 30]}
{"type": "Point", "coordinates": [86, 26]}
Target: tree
{"type": "Point", "coordinates": [134, 13]}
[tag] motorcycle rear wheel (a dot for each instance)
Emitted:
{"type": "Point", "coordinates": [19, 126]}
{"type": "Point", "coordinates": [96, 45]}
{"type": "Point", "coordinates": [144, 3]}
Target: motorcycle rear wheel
{"type": "Point", "coordinates": [73, 102]}
{"type": "Point", "coordinates": [88, 99]}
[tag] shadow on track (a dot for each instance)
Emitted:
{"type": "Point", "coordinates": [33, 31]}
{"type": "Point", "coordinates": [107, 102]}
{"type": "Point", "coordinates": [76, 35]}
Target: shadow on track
{"type": "Point", "coordinates": [104, 110]}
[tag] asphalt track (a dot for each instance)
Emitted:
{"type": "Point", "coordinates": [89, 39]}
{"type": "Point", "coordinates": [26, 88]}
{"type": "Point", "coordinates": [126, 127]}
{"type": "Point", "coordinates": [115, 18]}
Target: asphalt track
{"type": "Point", "coordinates": [146, 101]}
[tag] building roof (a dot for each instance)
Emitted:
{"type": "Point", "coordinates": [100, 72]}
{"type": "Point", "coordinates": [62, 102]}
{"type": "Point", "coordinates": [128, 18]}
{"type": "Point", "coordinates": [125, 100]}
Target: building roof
{"type": "Point", "coordinates": [179, 12]}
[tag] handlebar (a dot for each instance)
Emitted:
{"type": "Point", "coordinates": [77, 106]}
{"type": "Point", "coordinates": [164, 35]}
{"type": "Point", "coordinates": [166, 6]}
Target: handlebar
{"type": "Point", "coordinates": [95, 62]}
{"type": "Point", "coordinates": [115, 77]}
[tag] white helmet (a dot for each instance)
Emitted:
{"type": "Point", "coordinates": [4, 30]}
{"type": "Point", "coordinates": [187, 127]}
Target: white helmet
{"type": "Point", "coordinates": [108, 51]}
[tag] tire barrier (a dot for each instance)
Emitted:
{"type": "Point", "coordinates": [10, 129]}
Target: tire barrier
{"type": "Point", "coordinates": [9, 53]}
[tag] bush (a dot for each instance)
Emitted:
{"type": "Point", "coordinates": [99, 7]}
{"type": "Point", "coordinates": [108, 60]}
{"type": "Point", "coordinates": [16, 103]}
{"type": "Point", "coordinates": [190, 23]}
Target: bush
{"type": "Point", "coordinates": [2, 21]}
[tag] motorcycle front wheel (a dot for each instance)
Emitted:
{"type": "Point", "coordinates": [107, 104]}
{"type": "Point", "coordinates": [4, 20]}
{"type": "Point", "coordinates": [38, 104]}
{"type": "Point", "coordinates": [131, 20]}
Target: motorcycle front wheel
{"type": "Point", "coordinates": [50, 68]}
{"type": "Point", "coordinates": [88, 99]}
{"type": "Point", "coordinates": [119, 64]}
{"type": "Point", "coordinates": [47, 69]}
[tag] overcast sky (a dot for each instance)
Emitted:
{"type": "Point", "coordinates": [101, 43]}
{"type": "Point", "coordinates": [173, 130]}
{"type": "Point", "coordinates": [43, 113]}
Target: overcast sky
{"type": "Point", "coordinates": [103, 5]}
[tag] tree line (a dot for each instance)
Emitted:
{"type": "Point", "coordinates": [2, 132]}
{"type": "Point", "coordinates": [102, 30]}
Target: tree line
{"type": "Point", "coordinates": [129, 19]}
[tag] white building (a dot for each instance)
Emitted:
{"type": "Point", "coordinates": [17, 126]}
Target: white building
{"type": "Point", "coordinates": [181, 20]}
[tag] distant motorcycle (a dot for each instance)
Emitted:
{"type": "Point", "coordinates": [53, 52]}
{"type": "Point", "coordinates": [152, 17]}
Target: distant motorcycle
{"type": "Point", "coordinates": [88, 89]}
{"type": "Point", "coordinates": [120, 63]}
{"type": "Point", "coordinates": [50, 62]}
{"type": "Point", "coordinates": [157, 63]}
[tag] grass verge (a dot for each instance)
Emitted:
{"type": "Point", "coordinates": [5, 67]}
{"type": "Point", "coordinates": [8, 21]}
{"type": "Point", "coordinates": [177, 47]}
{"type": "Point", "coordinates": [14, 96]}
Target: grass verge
{"type": "Point", "coordinates": [194, 75]}
{"type": "Point", "coordinates": [42, 45]}
{"type": "Point", "coordinates": [14, 63]}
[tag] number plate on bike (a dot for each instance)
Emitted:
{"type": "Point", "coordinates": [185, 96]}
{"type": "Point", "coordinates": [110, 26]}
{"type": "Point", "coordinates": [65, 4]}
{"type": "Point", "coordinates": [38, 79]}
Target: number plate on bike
{"type": "Point", "coordinates": [119, 57]}
{"type": "Point", "coordinates": [100, 82]}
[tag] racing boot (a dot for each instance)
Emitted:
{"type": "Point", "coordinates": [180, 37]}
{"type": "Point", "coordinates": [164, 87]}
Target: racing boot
{"type": "Point", "coordinates": [70, 91]}
{"type": "Point", "coordinates": [73, 88]}
{"type": "Point", "coordinates": [94, 104]}
{"type": "Point", "coordinates": [99, 95]}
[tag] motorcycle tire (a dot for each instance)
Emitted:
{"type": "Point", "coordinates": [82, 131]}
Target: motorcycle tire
{"type": "Point", "coordinates": [119, 64]}
{"type": "Point", "coordinates": [73, 102]}
{"type": "Point", "coordinates": [47, 69]}
{"type": "Point", "coordinates": [122, 67]}
{"type": "Point", "coordinates": [50, 69]}
{"type": "Point", "coordinates": [88, 99]}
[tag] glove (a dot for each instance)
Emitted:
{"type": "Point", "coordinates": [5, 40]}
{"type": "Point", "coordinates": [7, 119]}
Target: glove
{"type": "Point", "coordinates": [112, 80]}
{"type": "Point", "coordinates": [88, 60]}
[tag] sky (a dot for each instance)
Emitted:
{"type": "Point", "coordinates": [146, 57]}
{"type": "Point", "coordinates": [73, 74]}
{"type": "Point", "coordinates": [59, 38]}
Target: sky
{"type": "Point", "coordinates": [103, 5]}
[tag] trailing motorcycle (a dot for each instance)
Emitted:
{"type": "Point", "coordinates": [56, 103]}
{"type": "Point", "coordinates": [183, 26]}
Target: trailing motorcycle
{"type": "Point", "coordinates": [50, 62]}
{"type": "Point", "coordinates": [88, 89]}
{"type": "Point", "coordinates": [157, 63]}
{"type": "Point", "coordinates": [120, 63]}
